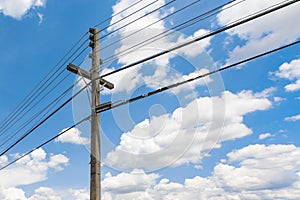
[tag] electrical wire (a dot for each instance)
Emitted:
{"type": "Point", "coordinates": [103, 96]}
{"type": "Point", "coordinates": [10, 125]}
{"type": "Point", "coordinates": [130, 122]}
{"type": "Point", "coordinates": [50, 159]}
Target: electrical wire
{"type": "Point", "coordinates": [131, 14]}
{"type": "Point", "coordinates": [109, 18]}
{"type": "Point", "coordinates": [11, 120]}
{"type": "Point", "coordinates": [39, 89]}
{"type": "Point", "coordinates": [141, 17]}
{"type": "Point", "coordinates": [40, 83]}
{"type": "Point", "coordinates": [145, 27]}
{"type": "Point", "coordinates": [44, 143]}
{"type": "Point", "coordinates": [152, 93]}
{"type": "Point", "coordinates": [30, 120]}
{"type": "Point", "coordinates": [197, 77]}
{"type": "Point", "coordinates": [36, 115]}
{"type": "Point", "coordinates": [179, 27]}
{"type": "Point", "coordinates": [222, 29]}
{"type": "Point", "coordinates": [45, 119]}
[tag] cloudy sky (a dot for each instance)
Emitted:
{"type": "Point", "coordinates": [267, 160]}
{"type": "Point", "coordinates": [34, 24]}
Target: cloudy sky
{"type": "Point", "coordinates": [232, 135]}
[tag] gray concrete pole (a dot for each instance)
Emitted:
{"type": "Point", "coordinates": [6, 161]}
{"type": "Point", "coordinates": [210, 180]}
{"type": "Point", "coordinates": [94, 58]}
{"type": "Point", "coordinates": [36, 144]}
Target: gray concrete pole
{"type": "Point", "coordinates": [95, 168]}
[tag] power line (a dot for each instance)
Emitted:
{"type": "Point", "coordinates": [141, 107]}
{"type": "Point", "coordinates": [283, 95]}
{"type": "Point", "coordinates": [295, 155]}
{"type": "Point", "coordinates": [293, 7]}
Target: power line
{"type": "Point", "coordinates": [45, 77]}
{"type": "Point", "coordinates": [109, 18]}
{"type": "Point", "coordinates": [46, 142]}
{"type": "Point", "coordinates": [41, 87]}
{"type": "Point", "coordinates": [131, 14]}
{"type": "Point", "coordinates": [181, 26]}
{"type": "Point", "coordinates": [222, 29]}
{"type": "Point", "coordinates": [44, 120]}
{"type": "Point", "coordinates": [141, 17]}
{"type": "Point", "coordinates": [145, 27]}
{"type": "Point", "coordinates": [47, 107]}
{"type": "Point", "coordinates": [197, 77]}
{"type": "Point", "coordinates": [25, 110]}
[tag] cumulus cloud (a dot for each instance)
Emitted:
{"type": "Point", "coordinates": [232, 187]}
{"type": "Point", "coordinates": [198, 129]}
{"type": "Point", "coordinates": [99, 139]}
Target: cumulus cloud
{"type": "Point", "coordinates": [158, 70]}
{"type": "Point", "coordinates": [79, 194]}
{"type": "Point", "coordinates": [265, 136]}
{"type": "Point", "coordinates": [136, 180]}
{"type": "Point", "coordinates": [72, 136]}
{"type": "Point", "coordinates": [260, 167]}
{"type": "Point", "coordinates": [31, 169]}
{"type": "Point", "coordinates": [45, 193]}
{"type": "Point", "coordinates": [263, 34]}
{"type": "Point", "coordinates": [290, 71]}
{"type": "Point", "coordinates": [253, 172]}
{"type": "Point", "coordinates": [18, 8]}
{"type": "Point", "coordinates": [292, 118]}
{"type": "Point", "coordinates": [187, 134]}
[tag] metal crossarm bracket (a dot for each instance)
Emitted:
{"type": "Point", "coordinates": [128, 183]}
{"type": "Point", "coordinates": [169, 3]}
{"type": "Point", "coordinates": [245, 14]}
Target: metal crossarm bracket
{"type": "Point", "coordinates": [76, 70]}
{"type": "Point", "coordinates": [103, 106]}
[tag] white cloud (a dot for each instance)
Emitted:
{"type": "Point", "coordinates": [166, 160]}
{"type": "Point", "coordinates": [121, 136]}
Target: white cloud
{"type": "Point", "coordinates": [18, 8]}
{"type": "Point", "coordinates": [265, 136]}
{"type": "Point", "coordinates": [57, 162]}
{"type": "Point", "coordinates": [266, 92]}
{"type": "Point", "coordinates": [72, 136]}
{"type": "Point", "coordinates": [45, 193]}
{"type": "Point", "coordinates": [187, 134]}
{"type": "Point", "coordinates": [279, 99]}
{"type": "Point", "coordinates": [292, 118]}
{"type": "Point", "coordinates": [79, 194]}
{"type": "Point", "coordinates": [260, 167]}
{"type": "Point", "coordinates": [159, 71]}
{"type": "Point", "coordinates": [294, 86]}
{"type": "Point", "coordinates": [136, 180]}
{"type": "Point", "coordinates": [31, 169]}
{"type": "Point", "coordinates": [195, 48]}
{"type": "Point", "coordinates": [12, 194]}
{"type": "Point", "coordinates": [263, 34]}
{"type": "Point", "coordinates": [3, 160]}
{"type": "Point", "coordinates": [41, 17]}
{"type": "Point", "coordinates": [290, 71]}
{"type": "Point", "coordinates": [253, 172]}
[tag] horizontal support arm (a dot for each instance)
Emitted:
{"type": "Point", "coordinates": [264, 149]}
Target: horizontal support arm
{"type": "Point", "coordinates": [81, 72]}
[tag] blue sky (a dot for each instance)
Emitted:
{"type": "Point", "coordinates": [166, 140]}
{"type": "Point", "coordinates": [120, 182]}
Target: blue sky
{"type": "Point", "coordinates": [233, 135]}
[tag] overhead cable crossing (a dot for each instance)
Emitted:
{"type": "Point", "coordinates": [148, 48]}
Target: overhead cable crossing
{"type": "Point", "coordinates": [110, 105]}
{"type": "Point", "coordinates": [165, 33]}
{"type": "Point", "coordinates": [222, 29]}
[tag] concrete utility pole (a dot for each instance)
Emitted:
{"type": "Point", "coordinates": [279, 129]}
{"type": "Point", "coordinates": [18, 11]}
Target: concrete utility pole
{"type": "Point", "coordinates": [93, 75]}
{"type": "Point", "coordinates": [95, 185]}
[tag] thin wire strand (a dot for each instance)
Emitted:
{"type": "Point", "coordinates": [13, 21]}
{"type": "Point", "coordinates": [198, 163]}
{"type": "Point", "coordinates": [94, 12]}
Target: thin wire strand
{"type": "Point", "coordinates": [197, 77]}
{"type": "Point", "coordinates": [145, 27]}
{"type": "Point", "coordinates": [46, 142]}
{"type": "Point", "coordinates": [139, 18]}
{"type": "Point", "coordinates": [39, 90]}
{"type": "Point", "coordinates": [25, 99]}
{"type": "Point", "coordinates": [109, 18]}
{"type": "Point", "coordinates": [29, 121]}
{"type": "Point", "coordinates": [166, 33]}
{"type": "Point", "coordinates": [44, 120]}
{"type": "Point", "coordinates": [222, 29]}
{"type": "Point", "coordinates": [131, 14]}
{"type": "Point", "coordinates": [22, 115]}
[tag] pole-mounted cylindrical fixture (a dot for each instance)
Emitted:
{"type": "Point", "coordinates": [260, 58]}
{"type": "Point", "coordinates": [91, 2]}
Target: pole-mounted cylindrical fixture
{"type": "Point", "coordinates": [93, 32]}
